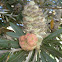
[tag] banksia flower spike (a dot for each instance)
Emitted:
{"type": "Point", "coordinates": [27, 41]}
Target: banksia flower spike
{"type": "Point", "coordinates": [28, 41]}
{"type": "Point", "coordinates": [34, 23]}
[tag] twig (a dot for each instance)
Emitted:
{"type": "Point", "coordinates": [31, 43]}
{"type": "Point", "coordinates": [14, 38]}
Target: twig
{"type": "Point", "coordinates": [15, 50]}
{"type": "Point", "coordinates": [4, 51]}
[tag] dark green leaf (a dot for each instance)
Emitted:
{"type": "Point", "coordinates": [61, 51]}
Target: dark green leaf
{"type": "Point", "coordinates": [12, 34]}
{"type": "Point", "coordinates": [43, 59]}
{"type": "Point", "coordinates": [53, 42]}
{"type": "Point", "coordinates": [49, 59]}
{"type": "Point", "coordinates": [52, 51]}
{"type": "Point", "coordinates": [20, 17]}
{"type": "Point", "coordinates": [18, 56]}
{"type": "Point", "coordinates": [3, 57]}
{"type": "Point", "coordinates": [38, 58]}
{"type": "Point", "coordinates": [46, 58]}
{"type": "Point", "coordinates": [9, 7]}
{"type": "Point", "coordinates": [51, 36]}
{"type": "Point", "coordinates": [17, 29]}
{"type": "Point", "coordinates": [31, 59]}
{"type": "Point", "coordinates": [8, 44]}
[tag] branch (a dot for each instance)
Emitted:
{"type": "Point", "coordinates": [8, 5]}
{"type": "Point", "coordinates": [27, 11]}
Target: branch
{"type": "Point", "coordinates": [4, 51]}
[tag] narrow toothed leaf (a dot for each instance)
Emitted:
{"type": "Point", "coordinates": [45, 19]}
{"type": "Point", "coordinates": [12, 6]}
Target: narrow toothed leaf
{"type": "Point", "coordinates": [53, 35]}
{"type": "Point", "coordinates": [12, 34]}
{"type": "Point", "coordinates": [4, 57]}
{"type": "Point", "coordinates": [8, 44]}
{"type": "Point", "coordinates": [17, 29]}
{"type": "Point", "coordinates": [18, 56]}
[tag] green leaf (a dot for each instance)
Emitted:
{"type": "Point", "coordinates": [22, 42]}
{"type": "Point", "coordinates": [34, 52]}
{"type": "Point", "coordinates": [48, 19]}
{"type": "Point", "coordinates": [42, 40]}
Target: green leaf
{"type": "Point", "coordinates": [53, 42]}
{"type": "Point", "coordinates": [11, 1]}
{"type": "Point", "coordinates": [52, 51]}
{"type": "Point", "coordinates": [38, 58]}
{"type": "Point", "coordinates": [3, 57]}
{"type": "Point", "coordinates": [20, 17]}
{"type": "Point", "coordinates": [9, 7]}
{"type": "Point", "coordinates": [8, 44]}
{"type": "Point", "coordinates": [49, 59]}
{"type": "Point", "coordinates": [43, 57]}
{"type": "Point", "coordinates": [51, 36]}
{"type": "Point", "coordinates": [17, 29]}
{"type": "Point", "coordinates": [46, 58]}
{"type": "Point", "coordinates": [18, 56]}
{"type": "Point", "coordinates": [12, 34]}
{"type": "Point", "coordinates": [31, 59]}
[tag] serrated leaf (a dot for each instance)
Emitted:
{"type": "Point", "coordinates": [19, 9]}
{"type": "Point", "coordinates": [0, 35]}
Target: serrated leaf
{"type": "Point", "coordinates": [12, 34]}
{"type": "Point", "coordinates": [51, 36]}
{"type": "Point", "coordinates": [9, 7]}
{"type": "Point", "coordinates": [49, 59]}
{"type": "Point", "coordinates": [53, 42]}
{"type": "Point", "coordinates": [17, 29]}
{"type": "Point", "coordinates": [46, 58]}
{"type": "Point", "coordinates": [52, 51]}
{"type": "Point", "coordinates": [3, 57]}
{"type": "Point", "coordinates": [18, 56]}
{"type": "Point", "coordinates": [43, 58]}
{"type": "Point", "coordinates": [20, 17]}
{"type": "Point", "coordinates": [8, 44]}
{"type": "Point", "coordinates": [31, 59]}
{"type": "Point", "coordinates": [38, 58]}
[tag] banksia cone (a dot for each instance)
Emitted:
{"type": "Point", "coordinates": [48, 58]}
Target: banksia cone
{"type": "Point", "coordinates": [34, 21]}
{"type": "Point", "coordinates": [28, 41]}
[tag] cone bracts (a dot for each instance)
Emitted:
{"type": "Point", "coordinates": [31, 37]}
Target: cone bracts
{"type": "Point", "coordinates": [28, 41]}
{"type": "Point", "coordinates": [34, 23]}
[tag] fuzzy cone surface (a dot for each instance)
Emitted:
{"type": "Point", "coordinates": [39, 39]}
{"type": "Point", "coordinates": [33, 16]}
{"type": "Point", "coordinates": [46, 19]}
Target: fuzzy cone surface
{"type": "Point", "coordinates": [28, 41]}
{"type": "Point", "coordinates": [33, 20]}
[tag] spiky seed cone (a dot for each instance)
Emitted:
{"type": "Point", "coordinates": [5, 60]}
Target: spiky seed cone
{"type": "Point", "coordinates": [33, 20]}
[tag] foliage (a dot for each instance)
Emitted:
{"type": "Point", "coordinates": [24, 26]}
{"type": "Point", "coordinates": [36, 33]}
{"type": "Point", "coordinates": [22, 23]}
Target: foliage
{"type": "Point", "coordinates": [50, 49]}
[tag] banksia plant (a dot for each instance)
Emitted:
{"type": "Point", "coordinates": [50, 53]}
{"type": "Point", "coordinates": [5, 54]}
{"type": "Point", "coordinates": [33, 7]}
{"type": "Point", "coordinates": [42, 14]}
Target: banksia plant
{"type": "Point", "coordinates": [32, 44]}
